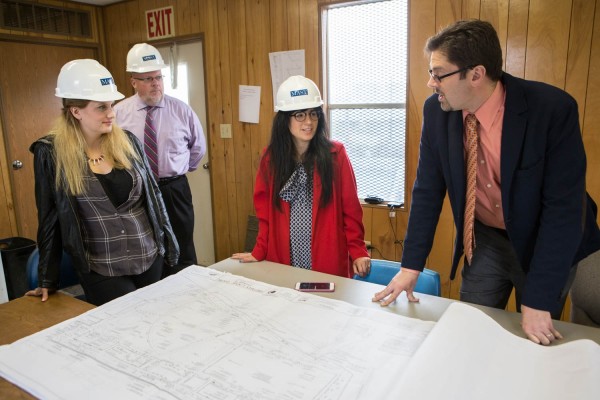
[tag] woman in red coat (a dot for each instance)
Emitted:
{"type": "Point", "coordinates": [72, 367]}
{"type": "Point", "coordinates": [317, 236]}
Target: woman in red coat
{"type": "Point", "coordinates": [305, 194]}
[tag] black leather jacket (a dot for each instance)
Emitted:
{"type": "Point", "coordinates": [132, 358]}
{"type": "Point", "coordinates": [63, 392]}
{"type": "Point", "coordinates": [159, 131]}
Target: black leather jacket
{"type": "Point", "coordinates": [58, 222]}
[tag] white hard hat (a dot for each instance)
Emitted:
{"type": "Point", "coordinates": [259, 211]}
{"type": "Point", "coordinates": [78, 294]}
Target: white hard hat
{"type": "Point", "coordinates": [86, 79]}
{"type": "Point", "coordinates": [144, 58]}
{"type": "Point", "coordinates": [297, 93]}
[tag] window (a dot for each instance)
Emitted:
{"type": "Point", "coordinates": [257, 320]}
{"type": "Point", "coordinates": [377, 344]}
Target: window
{"type": "Point", "coordinates": [41, 18]}
{"type": "Point", "coordinates": [182, 91]}
{"type": "Point", "coordinates": [365, 70]}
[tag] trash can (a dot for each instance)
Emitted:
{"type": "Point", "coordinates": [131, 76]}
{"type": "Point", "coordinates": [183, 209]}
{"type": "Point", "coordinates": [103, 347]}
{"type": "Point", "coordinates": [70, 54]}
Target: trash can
{"type": "Point", "coordinates": [15, 253]}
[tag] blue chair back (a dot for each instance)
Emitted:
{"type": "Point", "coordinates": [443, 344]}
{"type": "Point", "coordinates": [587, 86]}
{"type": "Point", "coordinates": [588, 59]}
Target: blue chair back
{"type": "Point", "coordinates": [68, 276]}
{"type": "Point", "coordinates": [382, 272]}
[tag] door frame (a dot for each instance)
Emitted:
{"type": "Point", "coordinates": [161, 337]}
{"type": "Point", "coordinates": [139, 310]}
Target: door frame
{"type": "Point", "coordinates": [7, 208]}
{"type": "Point", "coordinates": [183, 39]}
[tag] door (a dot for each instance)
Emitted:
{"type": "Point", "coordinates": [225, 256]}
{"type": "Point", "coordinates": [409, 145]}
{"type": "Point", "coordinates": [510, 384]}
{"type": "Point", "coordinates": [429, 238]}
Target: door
{"type": "Point", "coordinates": [190, 89]}
{"type": "Point", "coordinates": [28, 108]}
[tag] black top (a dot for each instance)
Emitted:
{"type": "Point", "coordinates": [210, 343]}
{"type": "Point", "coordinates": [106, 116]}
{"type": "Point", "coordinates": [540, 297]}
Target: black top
{"type": "Point", "coordinates": [117, 184]}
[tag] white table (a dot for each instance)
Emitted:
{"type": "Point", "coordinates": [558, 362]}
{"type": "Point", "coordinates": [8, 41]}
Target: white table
{"type": "Point", "coordinates": [360, 293]}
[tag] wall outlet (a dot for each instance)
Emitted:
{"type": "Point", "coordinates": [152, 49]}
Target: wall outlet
{"type": "Point", "coordinates": [369, 247]}
{"type": "Point", "coordinates": [225, 131]}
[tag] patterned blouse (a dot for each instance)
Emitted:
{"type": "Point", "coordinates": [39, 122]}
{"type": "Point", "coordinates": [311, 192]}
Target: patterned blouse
{"type": "Point", "coordinates": [298, 191]}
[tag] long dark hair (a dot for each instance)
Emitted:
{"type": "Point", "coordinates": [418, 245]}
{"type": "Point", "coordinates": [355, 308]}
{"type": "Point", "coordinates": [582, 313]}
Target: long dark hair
{"type": "Point", "coordinates": [282, 152]}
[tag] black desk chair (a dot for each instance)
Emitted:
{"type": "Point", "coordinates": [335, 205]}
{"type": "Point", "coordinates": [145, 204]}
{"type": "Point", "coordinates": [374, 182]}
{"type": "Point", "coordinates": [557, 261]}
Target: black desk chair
{"type": "Point", "coordinates": [251, 233]}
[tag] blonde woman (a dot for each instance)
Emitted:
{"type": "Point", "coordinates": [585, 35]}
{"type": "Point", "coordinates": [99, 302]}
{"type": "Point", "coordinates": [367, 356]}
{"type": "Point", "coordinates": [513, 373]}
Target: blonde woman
{"type": "Point", "coordinates": [95, 194]}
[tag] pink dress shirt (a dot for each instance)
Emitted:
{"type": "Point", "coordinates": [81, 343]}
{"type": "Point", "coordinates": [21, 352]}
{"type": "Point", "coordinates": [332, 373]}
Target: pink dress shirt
{"type": "Point", "coordinates": [488, 208]}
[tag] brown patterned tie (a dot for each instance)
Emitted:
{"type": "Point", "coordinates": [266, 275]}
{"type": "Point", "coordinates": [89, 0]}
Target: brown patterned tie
{"type": "Point", "coordinates": [470, 196]}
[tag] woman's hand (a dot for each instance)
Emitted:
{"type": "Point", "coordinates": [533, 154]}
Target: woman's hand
{"type": "Point", "coordinates": [362, 266]}
{"type": "Point", "coordinates": [244, 257]}
{"type": "Point", "coordinates": [37, 292]}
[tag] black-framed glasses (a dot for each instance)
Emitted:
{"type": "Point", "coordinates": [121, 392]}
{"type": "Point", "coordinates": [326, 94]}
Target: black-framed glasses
{"type": "Point", "coordinates": [301, 115]}
{"type": "Point", "coordinates": [150, 79]}
{"type": "Point", "coordinates": [438, 78]}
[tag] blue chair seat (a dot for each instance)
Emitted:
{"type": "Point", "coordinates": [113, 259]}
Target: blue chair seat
{"type": "Point", "coordinates": [68, 276]}
{"type": "Point", "coordinates": [382, 272]}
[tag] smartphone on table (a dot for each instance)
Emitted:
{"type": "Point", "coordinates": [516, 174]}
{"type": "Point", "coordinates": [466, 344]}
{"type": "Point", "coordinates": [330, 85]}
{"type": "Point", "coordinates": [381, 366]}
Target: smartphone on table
{"type": "Point", "coordinates": [315, 286]}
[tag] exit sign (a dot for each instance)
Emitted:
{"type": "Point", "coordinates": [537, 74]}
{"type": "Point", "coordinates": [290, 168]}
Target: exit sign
{"type": "Point", "coordinates": [160, 23]}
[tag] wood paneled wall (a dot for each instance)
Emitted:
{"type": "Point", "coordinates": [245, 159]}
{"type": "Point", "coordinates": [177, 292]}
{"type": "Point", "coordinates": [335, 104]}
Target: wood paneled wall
{"type": "Point", "coordinates": [238, 37]}
{"type": "Point", "coordinates": [556, 41]}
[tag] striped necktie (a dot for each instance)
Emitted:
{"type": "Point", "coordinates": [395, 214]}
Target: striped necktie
{"type": "Point", "coordinates": [150, 142]}
{"type": "Point", "coordinates": [470, 195]}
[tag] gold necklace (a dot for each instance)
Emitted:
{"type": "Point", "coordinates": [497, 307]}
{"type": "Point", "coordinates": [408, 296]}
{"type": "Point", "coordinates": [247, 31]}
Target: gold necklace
{"type": "Point", "coordinates": [96, 161]}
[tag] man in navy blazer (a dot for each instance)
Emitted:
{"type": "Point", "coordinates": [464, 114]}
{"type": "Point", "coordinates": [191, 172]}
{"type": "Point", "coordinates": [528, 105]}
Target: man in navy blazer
{"type": "Point", "coordinates": [533, 218]}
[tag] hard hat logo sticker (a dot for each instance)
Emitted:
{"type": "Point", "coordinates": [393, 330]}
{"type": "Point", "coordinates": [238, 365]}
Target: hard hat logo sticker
{"type": "Point", "coordinates": [301, 92]}
{"type": "Point", "coordinates": [148, 58]}
{"type": "Point", "coordinates": [106, 81]}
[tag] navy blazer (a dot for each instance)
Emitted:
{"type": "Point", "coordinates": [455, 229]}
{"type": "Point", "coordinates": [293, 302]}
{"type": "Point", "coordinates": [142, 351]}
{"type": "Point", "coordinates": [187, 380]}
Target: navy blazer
{"type": "Point", "coordinates": [549, 218]}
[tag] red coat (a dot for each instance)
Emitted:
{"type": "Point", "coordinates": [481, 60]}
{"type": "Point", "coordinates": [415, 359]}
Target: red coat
{"type": "Point", "coordinates": [337, 229]}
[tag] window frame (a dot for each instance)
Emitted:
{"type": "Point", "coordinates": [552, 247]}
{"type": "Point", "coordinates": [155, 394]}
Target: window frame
{"type": "Point", "coordinates": [329, 107]}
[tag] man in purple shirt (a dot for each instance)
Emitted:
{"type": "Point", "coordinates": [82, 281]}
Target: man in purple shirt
{"type": "Point", "coordinates": [180, 142]}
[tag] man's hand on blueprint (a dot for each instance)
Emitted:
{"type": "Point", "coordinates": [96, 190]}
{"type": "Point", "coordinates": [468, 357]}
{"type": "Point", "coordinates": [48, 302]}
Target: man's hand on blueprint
{"type": "Point", "coordinates": [404, 281]}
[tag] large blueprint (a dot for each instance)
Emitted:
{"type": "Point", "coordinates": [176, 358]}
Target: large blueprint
{"type": "Point", "coordinates": [204, 334]}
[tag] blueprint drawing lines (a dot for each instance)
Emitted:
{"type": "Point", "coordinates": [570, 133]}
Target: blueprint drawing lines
{"type": "Point", "coordinates": [205, 334]}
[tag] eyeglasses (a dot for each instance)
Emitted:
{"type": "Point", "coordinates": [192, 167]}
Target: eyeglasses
{"type": "Point", "coordinates": [438, 78]}
{"type": "Point", "coordinates": [301, 115]}
{"type": "Point", "coordinates": [150, 79]}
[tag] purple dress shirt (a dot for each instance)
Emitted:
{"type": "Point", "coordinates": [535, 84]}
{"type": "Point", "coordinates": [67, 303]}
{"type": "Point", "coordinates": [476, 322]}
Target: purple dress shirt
{"type": "Point", "coordinates": [181, 141]}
